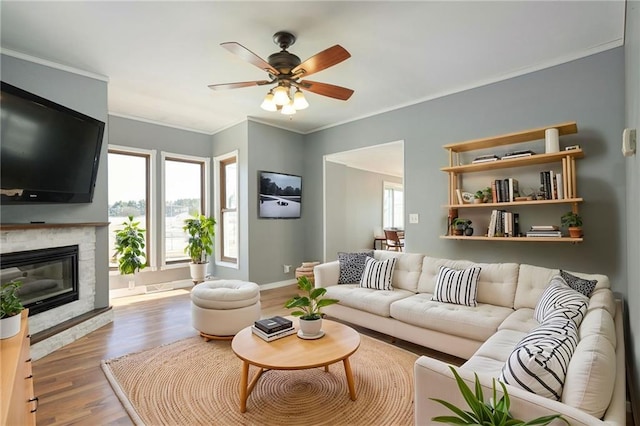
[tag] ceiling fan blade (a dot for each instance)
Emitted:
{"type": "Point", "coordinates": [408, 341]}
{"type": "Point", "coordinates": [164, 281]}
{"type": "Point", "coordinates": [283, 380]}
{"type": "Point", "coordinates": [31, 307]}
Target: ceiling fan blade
{"type": "Point", "coordinates": [249, 56]}
{"type": "Point", "coordinates": [323, 60]}
{"type": "Point", "coordinates": [324, 89]}
{"type": "Point", "coordinates": [225, 86]}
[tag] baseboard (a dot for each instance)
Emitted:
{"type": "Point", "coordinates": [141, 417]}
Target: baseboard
{"type": "Point", "coordinates": [277, 284]}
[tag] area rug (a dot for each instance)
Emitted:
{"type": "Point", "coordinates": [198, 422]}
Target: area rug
{"type": "Point", "coordinates": [192, 382]}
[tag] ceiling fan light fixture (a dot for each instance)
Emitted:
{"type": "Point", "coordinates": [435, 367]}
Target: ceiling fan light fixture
{"type": "Point", "coordinates": [281, 96]}
{"type": "Point", "coordinates": [268, 104]}
{"type": "Point", "coordinates": [288, 109]}
{"type": "Point", "coordinates": [299, 101]}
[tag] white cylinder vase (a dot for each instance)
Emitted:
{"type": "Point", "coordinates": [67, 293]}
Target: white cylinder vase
{"type": "Point", "coordinates": [551, 141]}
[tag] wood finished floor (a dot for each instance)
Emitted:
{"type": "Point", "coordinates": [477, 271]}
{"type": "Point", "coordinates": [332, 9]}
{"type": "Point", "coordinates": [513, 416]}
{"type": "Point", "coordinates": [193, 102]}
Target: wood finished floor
{"type": "Point", "coordinates": [71, 386]}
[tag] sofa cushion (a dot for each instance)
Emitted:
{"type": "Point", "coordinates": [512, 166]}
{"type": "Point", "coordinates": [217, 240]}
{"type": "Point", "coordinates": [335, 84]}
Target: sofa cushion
{"type": "Point", "coordinates": [590, 378]}
{"type": "Point", "coordinates": [521, 320]}
{"type": "Point", "coordinates": [352, 266]}
{"type": "Point", "coordinates": [578, 284]}
{"type": "Point", "coordinates": [496, 283]}
{"type": "Point", "coordinates": [407, 270]}
{"type": "Point", "coordinates": [598, 322]}
{"type": "Point", "coordinates": [540, 361]}
{"type": "Point", "coordinates": [377, 274]}
{"type": "Point", "coordinates": [459, 287]}
{"type": "Point", "coordinates": [483, 365]}
{"type": "Point", "coordinates": [603, 299]}
{"type": "Point", "coordinates": [475, 323]}
{"type": "Point", "coordinates": [561, 301]}
{"type": "Point", "coordinates": [365, 299]}
{"type": "Point", "coordinates": [500, 345]}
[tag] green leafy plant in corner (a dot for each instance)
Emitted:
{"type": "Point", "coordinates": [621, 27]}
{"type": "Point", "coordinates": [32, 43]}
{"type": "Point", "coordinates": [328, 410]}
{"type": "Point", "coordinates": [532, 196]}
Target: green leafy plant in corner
{"type": "Point", "coordinates": [130, 247]}
{"type": "Point", "coordinates": [201, 232]}
{"type": "Point", "coordinates": [309, 306]}
{"type": "Point", "coordinates": [571, 219]}
{"type": "Point", "coordinates": [10, 303]}
{"type": "Point", "coordinates": [492, 412]}
{"type": "Point", "coordinates": [460, 223]}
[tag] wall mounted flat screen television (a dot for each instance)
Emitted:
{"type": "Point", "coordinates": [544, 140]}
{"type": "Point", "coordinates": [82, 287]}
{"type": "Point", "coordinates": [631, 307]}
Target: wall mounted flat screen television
{"type": "Point", "coordinates": [48, 152]}
{"type": "Point", "coordinates": [280, 195]}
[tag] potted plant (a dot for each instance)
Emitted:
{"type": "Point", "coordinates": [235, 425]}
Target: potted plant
{"type": "Point", "coordinates": [492, 412]}
{"type": "Point", "coordinates": [573, 222]}
{"type": "Point", "coordinates": [130, 249]}
{"type": "Point", "coordinates": [200, 245]}
{"type": "Point", "coordinates": [10, 309]}
{"type": "Point", "coordinates": [309, 307]}
{"type": "Point", "coordinates": [460, 226]}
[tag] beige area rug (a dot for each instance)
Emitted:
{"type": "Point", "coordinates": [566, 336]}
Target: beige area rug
{"type": "Point", "coordinates": [191, 382]}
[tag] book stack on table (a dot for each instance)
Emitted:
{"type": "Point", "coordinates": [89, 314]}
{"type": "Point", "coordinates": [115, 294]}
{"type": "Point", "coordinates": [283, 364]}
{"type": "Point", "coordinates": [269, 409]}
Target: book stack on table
{"type": "Point", "coordinates": [544, 231]}
{"type": "Point", "coordinates": [273, 328]}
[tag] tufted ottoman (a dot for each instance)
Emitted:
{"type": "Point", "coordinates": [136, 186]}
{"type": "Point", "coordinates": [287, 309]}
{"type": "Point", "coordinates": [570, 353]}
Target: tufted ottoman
{"type": "Point", "coordinates": [219, 309]}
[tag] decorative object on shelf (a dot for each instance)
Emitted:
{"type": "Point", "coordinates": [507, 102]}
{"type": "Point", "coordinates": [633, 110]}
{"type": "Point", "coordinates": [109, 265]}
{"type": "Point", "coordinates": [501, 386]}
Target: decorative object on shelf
{"type": "Point", "coordinates": [492, 411]}
{"type": "Point", "coordinates": [200, 245]}
{"type": "Point", "coordinates": [551, 141]}
{"type": "Point", "coordinates": [467, 197]}
{"type": "Point", "coordinates": [129, 249]}
{"type": "Point", "coordinates": [309, 307]}
{"type": "Point", "coordinates": [573, 222]}
{"type": "Point", "coordinates": [10, 309]}
{"type": "Point", "coordinates": [482, 195]}
{"type": "Point", "coordinates": [459, 225]}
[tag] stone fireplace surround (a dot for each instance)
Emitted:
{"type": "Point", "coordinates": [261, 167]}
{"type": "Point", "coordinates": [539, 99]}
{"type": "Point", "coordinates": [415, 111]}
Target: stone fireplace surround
{"type": "Point", "coordinates": [22, 238]}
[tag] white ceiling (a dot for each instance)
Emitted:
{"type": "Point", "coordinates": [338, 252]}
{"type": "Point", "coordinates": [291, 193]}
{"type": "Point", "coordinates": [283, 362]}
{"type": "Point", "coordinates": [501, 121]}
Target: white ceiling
{"type": "Point", "coordinates": [385, 158]}
{"type": "Point", "coordinates": [160, 56]}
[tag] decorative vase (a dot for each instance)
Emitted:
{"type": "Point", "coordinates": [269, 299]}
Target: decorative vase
{"type": "Point", "coordinates": [575, 232]}
{"type": "Point", "coordinates": [9, 326]}
{"type": "Point", "coordinates": [198, 271]}
{"type": "Point", "coordinates": [311, 327]}
{"type": "Point", "coordinates": [478, 201]}
{"type": "Point", "coordinates": [551, 141]}
{"type": "Point", "coordinates": [468, 232]}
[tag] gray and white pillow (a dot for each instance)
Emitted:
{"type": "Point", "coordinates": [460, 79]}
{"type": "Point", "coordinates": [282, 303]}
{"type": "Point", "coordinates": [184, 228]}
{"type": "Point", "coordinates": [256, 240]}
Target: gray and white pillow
{"type": "Point", "coordinates": [378, 274]}
{"type": "Point", "coordinates": [539, 363]}
{"type": "Point", "coordinates": [352, 266]}
{"type": "Point", "coordinates": [561, 301]}
{"type": "Point", "coordinates": [459, 287]}
{"type": "Point", "coordinates": [579, 284]}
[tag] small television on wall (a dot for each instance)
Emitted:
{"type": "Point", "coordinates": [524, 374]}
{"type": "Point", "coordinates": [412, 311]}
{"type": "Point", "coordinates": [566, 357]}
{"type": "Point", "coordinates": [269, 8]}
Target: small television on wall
{"type": "Point", "coordinates": [279, 195]}
{"type": "Point", "coordinates": [49, 153]}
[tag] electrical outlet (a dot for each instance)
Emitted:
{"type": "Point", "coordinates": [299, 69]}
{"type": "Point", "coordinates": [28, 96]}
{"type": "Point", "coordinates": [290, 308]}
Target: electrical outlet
{"type": "Point", "coordinates": [414, 218]}
{"type": "Point", "coordinates": [287, 268]}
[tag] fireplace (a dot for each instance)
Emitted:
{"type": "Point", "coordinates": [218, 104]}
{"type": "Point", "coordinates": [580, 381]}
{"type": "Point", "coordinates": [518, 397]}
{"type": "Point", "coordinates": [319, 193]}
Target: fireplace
{"type": "Point", "coordinates": [49, 276]}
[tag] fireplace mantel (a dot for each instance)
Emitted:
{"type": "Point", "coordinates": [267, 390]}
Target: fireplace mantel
{"type": "Point", "coordinates": [43, 225]}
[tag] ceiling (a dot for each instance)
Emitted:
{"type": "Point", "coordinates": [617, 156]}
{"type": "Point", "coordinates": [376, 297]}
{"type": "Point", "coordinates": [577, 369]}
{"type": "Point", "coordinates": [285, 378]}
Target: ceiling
{"type": "Point", "coordinates": [160, 56]}
{"type": "Point", "coordinates": [385, 158]}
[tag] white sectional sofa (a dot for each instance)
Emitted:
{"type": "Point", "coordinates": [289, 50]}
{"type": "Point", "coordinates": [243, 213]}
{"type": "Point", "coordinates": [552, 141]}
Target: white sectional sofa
{"type": "Point", "coordinates": [486, 335]}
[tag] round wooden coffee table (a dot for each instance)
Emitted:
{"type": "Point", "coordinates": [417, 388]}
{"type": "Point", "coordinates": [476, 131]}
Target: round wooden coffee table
{"type": "Point", "coordinates": [293, 353]}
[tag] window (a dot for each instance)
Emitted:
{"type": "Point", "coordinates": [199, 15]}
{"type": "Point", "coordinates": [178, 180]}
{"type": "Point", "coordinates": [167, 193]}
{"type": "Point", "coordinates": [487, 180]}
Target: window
{"type": "Point", "coordinates": [227, 208]}
{"type": "Point", "coordinates": [185, 180]}
{"type": "Point", "coordinates": [393, 206]}
{"type": "Point", "coordinates": [129, 194]}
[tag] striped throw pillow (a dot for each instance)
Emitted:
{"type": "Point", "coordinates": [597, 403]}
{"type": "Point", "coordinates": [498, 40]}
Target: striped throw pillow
{"type": "Point", "coordinates": [539, 363]}
{"type": "Point", "coordinates": [561, 301]}
{"type": "Point", "coordinates": [378, 273]}
{"type": "Point", "coordinates": [459, 287]}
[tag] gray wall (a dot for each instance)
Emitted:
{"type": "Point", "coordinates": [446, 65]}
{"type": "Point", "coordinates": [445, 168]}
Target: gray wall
{"type": "Point", "coordinates": [632, 71]}
{"type": "Point", "coordinates": [588, 91]}
{"type": "Point", "coordinates": [86, 95]}
{"type": "Point", "coordinates": [354, 207]}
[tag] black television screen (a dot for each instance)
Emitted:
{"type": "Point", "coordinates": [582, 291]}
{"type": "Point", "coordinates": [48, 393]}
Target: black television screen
{"type": "Point", "coordinates": [48, 152]}
{"type": "Point", "coordinates": [280, 196]}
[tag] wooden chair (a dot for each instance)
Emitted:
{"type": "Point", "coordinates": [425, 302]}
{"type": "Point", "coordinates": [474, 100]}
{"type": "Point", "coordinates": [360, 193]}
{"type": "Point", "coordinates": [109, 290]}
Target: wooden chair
{"type": "Point", "coordinates": [393, 240]}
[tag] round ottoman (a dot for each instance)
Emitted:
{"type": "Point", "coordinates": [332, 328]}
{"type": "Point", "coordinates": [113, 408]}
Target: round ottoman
{"type": "Point", "coordinates": [220, 309]}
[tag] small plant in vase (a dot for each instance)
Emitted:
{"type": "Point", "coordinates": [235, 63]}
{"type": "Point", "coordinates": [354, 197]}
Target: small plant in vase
{"type": "Point", "coordinates": [129, 249]}
{"type": "Point", "coordinates": [482, 196]}
{"type": "Point", "coordinates": [10, 309]}
{"type": "Point", "coordinates": [309, 307]}
{"type": "Point", "coordinates": [573, 222]}
{"type": "Point", "coordinates": [461, 226]}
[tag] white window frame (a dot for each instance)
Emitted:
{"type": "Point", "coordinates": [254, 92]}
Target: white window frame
{"type": "Point", "coordinates": [397, 187]}
{"type": "Point", "coordinates": [217, 161]}
{"type": "Point", "coordinates": [205, 200]}
{"type": "Point", "coordinates": [151, 204]}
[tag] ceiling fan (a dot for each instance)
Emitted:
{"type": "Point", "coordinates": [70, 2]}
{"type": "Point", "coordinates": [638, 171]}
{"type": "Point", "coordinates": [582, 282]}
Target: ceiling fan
{"type": "Point", "coordinates": [287, 71]}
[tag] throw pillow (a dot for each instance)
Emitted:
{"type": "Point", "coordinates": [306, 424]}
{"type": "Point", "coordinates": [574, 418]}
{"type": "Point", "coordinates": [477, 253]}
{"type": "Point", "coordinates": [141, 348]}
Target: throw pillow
{"type": "Point", "coordinates": [539, 363]}
{"type": "Point", "coordinates": [352, 266]}
{"type": "Point", "coordinates": [578, 284]}
{"type": "Point", "coordinates": [459, 287]}
{"type": "Point", "coordinates": [561, 301]}
{"type": "Point", "coordinates": [378, 274]}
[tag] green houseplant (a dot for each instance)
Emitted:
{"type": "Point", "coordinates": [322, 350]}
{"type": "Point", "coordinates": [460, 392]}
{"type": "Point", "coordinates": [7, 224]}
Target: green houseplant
{"type": "Point", "coordinates": [201, 230]}
{"type": "Point", "coordinates": [129, 249]}
{"type": "Point", "coordinates": [10, 309]}
{"type": "Point", "coordinates": [309, 306]}
{"type": "Point", "coordinates": [482, 195]}
{"type": "Point", "coordinates": [492, 412]}
{"type": "Point", "coordinates": [460, 225]}
{"type": "Point", "coordinates": [573, 222]}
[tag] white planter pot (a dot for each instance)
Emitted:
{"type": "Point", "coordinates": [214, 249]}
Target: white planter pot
{"type": "Point", "coordinates": [311, 327]}
{"type": "Point", "coordinates": [198, 271]}
{"type": "Point", "coordinates": [9, 326]}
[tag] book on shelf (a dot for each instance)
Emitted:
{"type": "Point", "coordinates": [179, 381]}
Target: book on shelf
{"type": "Point", "coordinates": [554, 234]}
{"type": "Point", "coordinates": [273, 336]}
{"type": "Point", "coordinates": [560, 188]}
{"type": "Point", "coordinates": [273, 324]}
{"type": "Point", "coordinates": [459, 195]}
{"type": "Point", "coordinates": [518, 154]}
{"type": "Point", "coordinates": [544, 228]}
{"type": "Point", "coordinates": [485, 159]}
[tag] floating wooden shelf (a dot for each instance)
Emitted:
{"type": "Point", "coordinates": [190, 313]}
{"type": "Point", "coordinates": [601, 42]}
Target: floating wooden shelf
{"type": "Point", "coordinates": [515, 203]}
{"type": "Point", "coordinates": [516, 239]}
{"type": "Point", "coordinates": [515, 162]}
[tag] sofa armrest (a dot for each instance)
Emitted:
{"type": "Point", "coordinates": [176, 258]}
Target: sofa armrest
{"type": "Point", "coordinates": [326, 274]}
{"type": "Point", "coordinates": [434, 379]}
